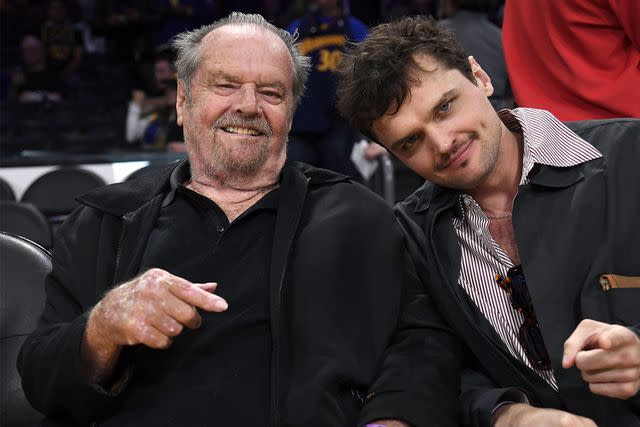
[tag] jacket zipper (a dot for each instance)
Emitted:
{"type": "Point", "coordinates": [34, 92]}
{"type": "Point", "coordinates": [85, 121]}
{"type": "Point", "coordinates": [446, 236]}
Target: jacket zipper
{"type": "Point", "coordinates": [275, 418]}
{"type": "Point", "coordinates": [274, 358]}
{"type": "Point", "coordinates": [119, 252]}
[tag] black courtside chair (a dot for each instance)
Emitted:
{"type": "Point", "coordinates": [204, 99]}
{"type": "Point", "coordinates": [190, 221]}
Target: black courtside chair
{"type": "Point", "coordinates": [24, 219]}
{"type": "Point", "coordinates": [23, 268]}
{"type": "Point", "coordinates": [6, 192]}
{"type": "Point", "coordinates": [54, 192]}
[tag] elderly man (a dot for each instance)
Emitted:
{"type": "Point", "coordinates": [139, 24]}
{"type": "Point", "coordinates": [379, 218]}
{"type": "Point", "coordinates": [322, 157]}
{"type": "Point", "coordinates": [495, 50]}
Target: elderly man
{"type": "Point", "coordinates": [236, 288]}
{"type": "Point", "coordinates": [526, 232]}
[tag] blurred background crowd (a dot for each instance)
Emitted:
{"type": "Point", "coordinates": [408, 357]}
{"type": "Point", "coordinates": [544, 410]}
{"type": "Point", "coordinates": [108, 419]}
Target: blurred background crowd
{"type": "Point", "coordinates": [88, 90]}
{"type": "Point", "coordinates": [87, 78]}
{"type": "Point", "coordinates": [96, 75]}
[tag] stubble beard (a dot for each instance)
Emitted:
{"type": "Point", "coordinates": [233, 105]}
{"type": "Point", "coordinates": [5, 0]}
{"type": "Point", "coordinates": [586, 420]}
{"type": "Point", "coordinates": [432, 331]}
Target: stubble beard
{"type": "Point", "coordinates": [489, 147]}
{"type": "Point", "coordinates": [488, 161]}
{"type": "Point", "coordinates": [243, 160]}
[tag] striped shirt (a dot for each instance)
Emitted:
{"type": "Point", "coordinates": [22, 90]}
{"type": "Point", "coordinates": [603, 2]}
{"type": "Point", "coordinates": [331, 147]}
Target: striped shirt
{"type": "Point", "coordinates": [546, 141]}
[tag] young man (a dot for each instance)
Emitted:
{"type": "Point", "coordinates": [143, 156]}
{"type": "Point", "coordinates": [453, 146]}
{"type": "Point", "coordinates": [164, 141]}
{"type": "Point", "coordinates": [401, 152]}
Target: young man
{"type": "Point", "coordinates": [237, 288]}
{"type": "Point", "coordinates": [519, 219]}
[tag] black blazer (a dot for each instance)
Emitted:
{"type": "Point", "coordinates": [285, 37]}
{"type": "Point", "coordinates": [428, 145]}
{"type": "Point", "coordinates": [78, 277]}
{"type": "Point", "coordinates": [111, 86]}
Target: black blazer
{"type": "Point", "coordinates": [571, 225]}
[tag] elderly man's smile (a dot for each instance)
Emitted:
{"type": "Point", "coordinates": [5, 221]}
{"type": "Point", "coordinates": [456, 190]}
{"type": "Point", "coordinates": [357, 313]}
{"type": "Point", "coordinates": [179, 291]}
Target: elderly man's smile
{"type": "Point", "coordinates": [241, 130]}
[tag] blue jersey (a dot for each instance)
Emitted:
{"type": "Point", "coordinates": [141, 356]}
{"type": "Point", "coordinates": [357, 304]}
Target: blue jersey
{"type": "Point", "coordinates": [322, 38]}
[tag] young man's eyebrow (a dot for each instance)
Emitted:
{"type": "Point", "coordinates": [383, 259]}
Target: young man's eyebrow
{"type": "Point", "coordinates": [445, 96]}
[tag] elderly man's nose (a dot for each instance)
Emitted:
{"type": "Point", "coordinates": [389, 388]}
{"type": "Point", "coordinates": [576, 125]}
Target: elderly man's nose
{"type": "Point", "coordinates": [247, 102]}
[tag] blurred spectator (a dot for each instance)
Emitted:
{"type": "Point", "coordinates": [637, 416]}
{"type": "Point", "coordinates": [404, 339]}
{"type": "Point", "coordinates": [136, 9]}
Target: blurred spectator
{"type": "Point", "coordinates": [578, 59]}
{"type": "Point", "coordinates": [34, 81]}
{"type": "Point", "coordinates": [18, 18]}
{"type": "Point", "coordinates": [62, 40]}
{"type": "Point", "coordinates": [468, 19]}
{"type": "Point", "coordinates": [154, 83]}
{"type": "Point", "coordinates": [127, 26]}
{"type": "Point", "coordinates": [224, 7]}
{"type": "Point", "coordinates": [319, 136]}
{"type": "Point", "coordinates": [92, 43]}
{"type": "Point", "coordinates": [394, 9]}
{"type": "Point", "coordinates": [181, 15]}
{"type": "Point", "coordinates": [290, 11]}
{"type": "Point", "coordinates": [151, 117]}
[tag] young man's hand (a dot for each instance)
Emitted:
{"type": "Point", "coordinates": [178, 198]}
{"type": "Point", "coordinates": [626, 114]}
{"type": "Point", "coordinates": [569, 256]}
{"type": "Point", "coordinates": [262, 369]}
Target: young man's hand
{"type": "Point", "coordinates": [608, 357]}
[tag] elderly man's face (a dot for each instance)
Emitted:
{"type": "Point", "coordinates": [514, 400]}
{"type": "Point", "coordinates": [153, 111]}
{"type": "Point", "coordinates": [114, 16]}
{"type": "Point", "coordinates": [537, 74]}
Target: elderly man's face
{"type": "Point", "coordinates": [239, 114]}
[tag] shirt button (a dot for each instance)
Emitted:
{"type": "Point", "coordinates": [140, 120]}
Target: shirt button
{"type": "Point", "coordinates": [220, 228]}
{"type": "Point", "coordinates": [478, 231]}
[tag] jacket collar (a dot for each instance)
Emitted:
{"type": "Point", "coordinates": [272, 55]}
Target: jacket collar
{"type": "Point", "coordinates": [431, 195]}
{"type": "Point", "coordinates": [554, 155]}
{"type": "Point", "coordinates": [547, 141]}
{"type": "Point", "coordinates": [124, 197]}
{"type": "Point", "coordinates": [556, 177]}
{"type": "Point", "coordinates": [434, 196]}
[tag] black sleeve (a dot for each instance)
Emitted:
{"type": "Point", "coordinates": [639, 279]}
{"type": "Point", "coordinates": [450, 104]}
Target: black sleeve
{"type": "Point", "coordinates": [419, 381]}
{"type": "Point", "coordinates": [49, 361]}
{"type": "Point", "coordinates": [480, 397]}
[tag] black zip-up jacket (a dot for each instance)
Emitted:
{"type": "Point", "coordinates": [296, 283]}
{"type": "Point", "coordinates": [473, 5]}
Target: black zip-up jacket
{"type": "Point", "coordinates": [352, 330]}
{"type": "Point", "coordinates": [572, 225]}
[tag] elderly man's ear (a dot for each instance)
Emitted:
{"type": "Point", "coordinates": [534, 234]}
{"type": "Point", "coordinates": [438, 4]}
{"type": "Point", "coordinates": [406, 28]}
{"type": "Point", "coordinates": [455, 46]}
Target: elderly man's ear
{"type": "Point", "coordinates": [180, 101]}
{"type": "Point", "coordinates": [482, 78]}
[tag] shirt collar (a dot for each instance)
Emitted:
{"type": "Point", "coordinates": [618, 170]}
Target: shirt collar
{"type": "Point", "coordinates": [181, 175]}
{"type": "Point", "coordinates": [547, 140]}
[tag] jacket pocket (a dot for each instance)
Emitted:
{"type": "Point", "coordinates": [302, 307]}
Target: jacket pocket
{"type": "Point", "coordinates": [623, 298]}
{"type": "Point", "coordinates": [616, 281]}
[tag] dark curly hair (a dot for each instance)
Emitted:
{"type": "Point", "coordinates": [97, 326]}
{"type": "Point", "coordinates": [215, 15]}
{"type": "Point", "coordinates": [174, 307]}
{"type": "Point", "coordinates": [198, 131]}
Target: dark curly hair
{"type": "Point", "coordinates": [376, 74]}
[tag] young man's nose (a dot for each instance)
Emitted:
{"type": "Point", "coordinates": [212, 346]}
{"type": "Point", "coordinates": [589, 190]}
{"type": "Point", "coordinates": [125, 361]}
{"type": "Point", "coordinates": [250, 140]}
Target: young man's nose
{"type": "Point", "coordinates": [440, 139]}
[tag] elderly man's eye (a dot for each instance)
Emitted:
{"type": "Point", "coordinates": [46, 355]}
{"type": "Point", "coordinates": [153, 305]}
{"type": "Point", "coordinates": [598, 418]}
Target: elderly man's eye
{"type": "Point", "coordinates": [222, 85]}
{"type": "Point", "coordinates": [272, 94]}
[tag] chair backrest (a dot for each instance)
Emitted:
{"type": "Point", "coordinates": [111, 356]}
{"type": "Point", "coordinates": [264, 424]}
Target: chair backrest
{"type": "Point", "coordinates": [24, 219]}
{"type": "Point", "coordinates": [23, 268]}
{"type": "Point", "coordinates": [54, 192]}
{"type": "Point", "coordinates": [6, 192]}
{"type": "Point", "coordinates": [146, 170]}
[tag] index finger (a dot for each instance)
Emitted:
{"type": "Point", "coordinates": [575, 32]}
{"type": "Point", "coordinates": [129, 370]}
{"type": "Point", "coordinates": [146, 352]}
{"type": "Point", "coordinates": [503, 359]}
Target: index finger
{"type": "Point", "coordinates": [195, 294]}
{"type": "Point", "coordinates": [584, 334]}
{"type": "Point", "coordinates": [614, 337]}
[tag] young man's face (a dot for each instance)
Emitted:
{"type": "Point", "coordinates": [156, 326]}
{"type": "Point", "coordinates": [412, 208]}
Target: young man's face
{"type": "Point", "coordinates": [446, 130]}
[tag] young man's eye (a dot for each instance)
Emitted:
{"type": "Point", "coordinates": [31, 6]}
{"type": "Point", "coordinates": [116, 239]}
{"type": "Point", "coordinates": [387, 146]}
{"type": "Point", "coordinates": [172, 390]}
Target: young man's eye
{"type": "Point", "coordinates": [407, 143]}
{"type": "Point", "coordinates": [445, 106]}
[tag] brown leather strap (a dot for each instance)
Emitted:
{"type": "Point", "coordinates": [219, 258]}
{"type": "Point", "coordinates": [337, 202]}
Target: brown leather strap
{"type": "Point", "coordinates": [609, 281]}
